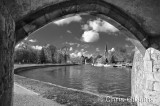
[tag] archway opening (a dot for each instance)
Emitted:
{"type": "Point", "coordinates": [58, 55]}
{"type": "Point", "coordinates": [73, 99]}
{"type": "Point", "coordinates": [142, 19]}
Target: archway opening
{"type": "Point", "coordinates": [89, 40]}
{"type": "Point", "coordinates": [120, 19]}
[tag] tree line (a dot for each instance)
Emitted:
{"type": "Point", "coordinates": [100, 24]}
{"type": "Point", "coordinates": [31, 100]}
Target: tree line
{"type": "Point", "coordinates": [25, 53]}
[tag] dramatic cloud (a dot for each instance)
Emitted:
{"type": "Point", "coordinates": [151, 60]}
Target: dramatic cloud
{"type": "Point", "coordinates": [37, 47]}
{"type": "Point", "coordinates": [111, 50]}
{"type": "Point", "coordinates": [86, 27]}
{"type": "Point", "coordinates": [92, 29]}
{"type": "Point", "coordinates": [76, 18]}
{"type": "Point", "coordinates": [32, 40]}
{"type": "Point", "coordinates": [90, 36]}
{"type": "Point", "coordinates": [99, 25]}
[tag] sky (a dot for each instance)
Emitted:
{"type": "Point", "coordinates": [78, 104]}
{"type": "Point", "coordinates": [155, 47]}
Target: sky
{"type": "Point", "coordinates": [83, 34]}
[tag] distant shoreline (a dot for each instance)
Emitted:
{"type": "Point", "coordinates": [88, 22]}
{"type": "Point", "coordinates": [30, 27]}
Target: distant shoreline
{"type": "Point", "coordinates": [25, 67]}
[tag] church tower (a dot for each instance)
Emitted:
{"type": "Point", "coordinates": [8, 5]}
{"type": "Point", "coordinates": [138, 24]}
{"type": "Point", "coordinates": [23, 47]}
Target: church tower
{"type": "Point", "coordinates": [106, 51]}
{"type": "Point", "coordinates": [106, 54]}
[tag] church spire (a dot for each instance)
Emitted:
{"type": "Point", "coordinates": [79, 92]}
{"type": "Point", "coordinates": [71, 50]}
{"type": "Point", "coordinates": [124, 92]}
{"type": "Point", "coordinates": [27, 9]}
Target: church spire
{"type": "Point", "coordinates": [106, 51]}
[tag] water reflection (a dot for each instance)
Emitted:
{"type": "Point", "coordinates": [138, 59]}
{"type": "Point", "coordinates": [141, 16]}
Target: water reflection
{"type": "Point", "coordinates": [110, 81]}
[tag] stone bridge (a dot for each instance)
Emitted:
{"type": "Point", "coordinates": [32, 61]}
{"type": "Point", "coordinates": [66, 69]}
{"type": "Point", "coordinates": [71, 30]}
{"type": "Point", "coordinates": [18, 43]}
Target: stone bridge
{"type": "Point", "coordinates": [139, 18]}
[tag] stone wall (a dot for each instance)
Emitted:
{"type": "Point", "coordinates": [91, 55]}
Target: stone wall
{"type": "Point", "coordinates": [146, 78]}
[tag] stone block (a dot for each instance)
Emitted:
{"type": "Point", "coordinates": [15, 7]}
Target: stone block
{"type": "Point", "coordinates": [156, 68]}
{"type": "Point", "coordinates": [156, 62]}
{"type": "Point", "coordinates": [148, 66]}
{"type": "Point", "coordinates": [154, 56]}
{"type": "Point", "coordinates": [157, 76]}
{"type": "Point", "coordinates": [149, 85]}
{"type": "Point", "coordinates": [150, 76]}
{"type": "Point", "coordinates": [147, 56]}
{"type": "Point", "coordinates": [29, 28]}
{"type": "Point", "coordinates": [156, 86]}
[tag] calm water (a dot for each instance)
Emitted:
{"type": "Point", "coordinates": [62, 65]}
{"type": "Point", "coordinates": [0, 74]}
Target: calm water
{"type": "Point", "coordinates": [111, 81]}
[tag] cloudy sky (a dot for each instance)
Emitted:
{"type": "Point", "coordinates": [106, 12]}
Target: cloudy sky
{"type": "Point", "coordinates": [83, 34]}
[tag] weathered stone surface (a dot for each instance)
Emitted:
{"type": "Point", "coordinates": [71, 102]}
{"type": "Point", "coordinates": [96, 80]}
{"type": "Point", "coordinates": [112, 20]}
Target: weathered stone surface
{"type": "Point", "coordinates": [144, 12]}
{"type": "Point", "coordinates": [150, 76]}
{"type": "Point", "coordinates": [149, 85]}
{"type": "Point", "coordinates": [147, 56]}
{"type": "Point", "coordinates": [157, 86]}
{"type": "Point", "coordinates": [156, 68]}
{"type": "Point", "coordinates": [148, 66]}
{"type": "Point", "coordinates": [157, 76]}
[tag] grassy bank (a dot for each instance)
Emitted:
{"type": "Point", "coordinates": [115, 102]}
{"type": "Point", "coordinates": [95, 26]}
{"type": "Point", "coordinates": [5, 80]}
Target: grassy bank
{"type": "Point", "coordinates": [62, 95]}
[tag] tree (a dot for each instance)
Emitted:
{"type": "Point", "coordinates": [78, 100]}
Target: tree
{"type": "Point", "coordinates": [65, 52]}
{"type": "Point", "coordinates": [53, 50]}
{"type": "Point", "coordinates": [42, 56]}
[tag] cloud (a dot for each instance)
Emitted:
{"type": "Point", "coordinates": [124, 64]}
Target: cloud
{"type": "Point", "coordinates": [79, 54]}
{"type": "Point", "coordinates": [92, 29]}
{"type": "Point", "coordinates": [111, 50]}
{"type": "Point", "coordinates": [99, 25]}
{"type": "Point", "coordinates": [37, 47]}
{"type": "Point", "coordinates": [71, 48]}
{"type": "Point", "coordinates": [33, 40]}
{"type": "Point", "coordinates": [72, 44]}
{"type": "Point", "coordinates": [76, 18]}
{"type": "Point", "coordinates": [90, 36]}
{"type": "Point", "coordinates": [68, 31]}
{"type": "Point", "coordinates": [82, 50]}
{"type": "Point", "coordinates": [73, 55]}
{"type": "Point", "coordinates": [26, 38]}
{"type": "Point", "coordinates": [76, 54]}
{"type": "Point", "coordinates": [85, 27]}
{"type": "Point", "coordinates": [19, 44]}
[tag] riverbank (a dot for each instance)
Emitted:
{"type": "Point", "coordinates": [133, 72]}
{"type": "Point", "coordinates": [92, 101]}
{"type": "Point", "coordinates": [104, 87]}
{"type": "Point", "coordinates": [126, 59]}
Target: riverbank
{"type": "Point", "coordinates": [25, 97]}
{"type": "Point", "coordinates": [63, 95]}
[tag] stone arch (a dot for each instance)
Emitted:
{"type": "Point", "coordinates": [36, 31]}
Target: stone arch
{"type": "Point", "coordinates": [40, 17]}
{"type": "Point", "coordinates": [140, 17]}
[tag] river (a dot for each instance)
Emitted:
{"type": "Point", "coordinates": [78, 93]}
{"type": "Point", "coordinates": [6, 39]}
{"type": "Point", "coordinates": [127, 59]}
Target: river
{"type": "Point", "coordinates": [100, 80]}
